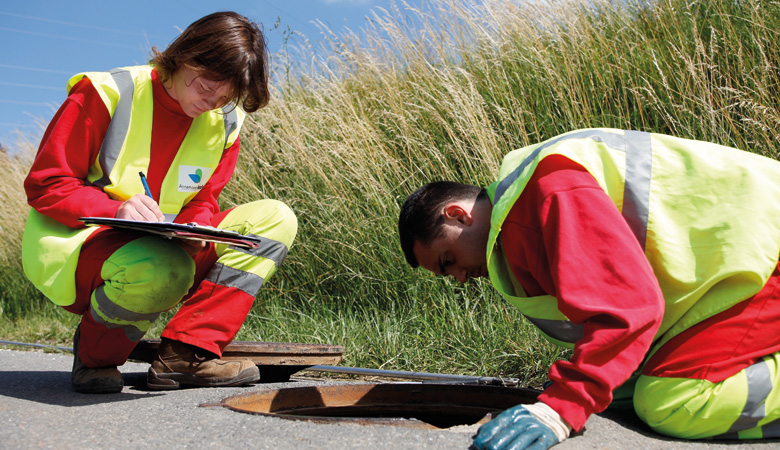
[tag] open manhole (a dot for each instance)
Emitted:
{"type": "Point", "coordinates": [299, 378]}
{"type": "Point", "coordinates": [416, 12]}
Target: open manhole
{"type": "Point", "coordinates": [419, 405]}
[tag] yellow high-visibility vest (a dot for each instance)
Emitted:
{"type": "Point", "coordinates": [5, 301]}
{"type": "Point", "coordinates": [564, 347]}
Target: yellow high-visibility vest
{"type": "Point", "coordinates": [706, 216]}
{"type": "Point", "coordinates": [50, 249]}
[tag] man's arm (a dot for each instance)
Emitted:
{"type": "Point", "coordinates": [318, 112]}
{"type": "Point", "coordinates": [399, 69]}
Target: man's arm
{"type": "Point", "coordinates": [587, 257]}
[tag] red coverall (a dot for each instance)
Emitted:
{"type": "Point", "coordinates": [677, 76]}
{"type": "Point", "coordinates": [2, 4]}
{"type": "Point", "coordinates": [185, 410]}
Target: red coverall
{"type": "Point", "coordinates": [56, 187]}
{"type": "Point", "coordinates": [560, 239]}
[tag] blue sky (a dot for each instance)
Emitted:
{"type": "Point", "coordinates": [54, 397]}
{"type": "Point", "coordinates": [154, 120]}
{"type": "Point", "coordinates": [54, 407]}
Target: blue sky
{"type": "Point", "coordinates": [45, 42]}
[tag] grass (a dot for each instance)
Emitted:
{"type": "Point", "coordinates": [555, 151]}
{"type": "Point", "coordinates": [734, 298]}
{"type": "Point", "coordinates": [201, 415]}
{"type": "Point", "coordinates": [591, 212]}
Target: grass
{"type": "Point", "coordinates": [442, 93]}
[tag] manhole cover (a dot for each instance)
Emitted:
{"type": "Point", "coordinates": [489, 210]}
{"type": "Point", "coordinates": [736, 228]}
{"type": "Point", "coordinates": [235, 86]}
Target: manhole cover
{"type": "Point", "coordinates": [276, 360]}
{"type": "Point", "coordinates": [420, 405]}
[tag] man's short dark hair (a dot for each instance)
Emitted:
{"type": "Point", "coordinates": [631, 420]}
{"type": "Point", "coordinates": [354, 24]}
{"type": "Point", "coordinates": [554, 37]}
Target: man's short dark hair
{"type": "Point", "coordinates": [421, 214]}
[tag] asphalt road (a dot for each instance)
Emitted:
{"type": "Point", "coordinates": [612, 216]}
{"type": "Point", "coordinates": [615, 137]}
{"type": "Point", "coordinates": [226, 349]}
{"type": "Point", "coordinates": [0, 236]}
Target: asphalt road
{"type": "Point", "coordinates": [38, 410]}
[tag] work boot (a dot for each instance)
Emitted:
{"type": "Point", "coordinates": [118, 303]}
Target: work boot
{"type": "Point", "coordinates": [177, 363]}
{"type": "Point", "coordinates": [98, 380]}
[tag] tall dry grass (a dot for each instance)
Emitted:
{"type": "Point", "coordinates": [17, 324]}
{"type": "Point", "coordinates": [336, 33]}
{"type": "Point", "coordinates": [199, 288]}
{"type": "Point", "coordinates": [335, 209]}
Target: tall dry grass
{"type": "Point", "coordinates": [17, 296]}
{"type": "Point", "coordinates": [443, 93]}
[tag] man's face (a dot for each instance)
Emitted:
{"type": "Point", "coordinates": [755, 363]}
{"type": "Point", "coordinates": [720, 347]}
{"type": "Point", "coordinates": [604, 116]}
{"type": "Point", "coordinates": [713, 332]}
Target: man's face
{"type": "Point", "coordinates": [459, 251]}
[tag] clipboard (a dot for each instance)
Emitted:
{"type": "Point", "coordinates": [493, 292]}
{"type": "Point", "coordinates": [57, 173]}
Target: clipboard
{"type": "Point", "coordinates": [172, 230]}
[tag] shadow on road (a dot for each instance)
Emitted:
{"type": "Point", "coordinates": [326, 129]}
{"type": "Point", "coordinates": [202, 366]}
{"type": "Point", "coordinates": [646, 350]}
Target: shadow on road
{"type": "Point", "coordinates": [53, 388]}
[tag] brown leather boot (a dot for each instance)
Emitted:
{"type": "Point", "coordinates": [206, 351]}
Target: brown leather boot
{"type": "Point", "coordinates": [177, 363]}
{"type": "Point", "coordinates": [98, 380]}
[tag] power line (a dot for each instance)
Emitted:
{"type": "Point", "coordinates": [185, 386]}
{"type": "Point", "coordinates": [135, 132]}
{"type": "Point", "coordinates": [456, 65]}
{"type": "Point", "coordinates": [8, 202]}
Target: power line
{"type": "Point", "coordinates": [71, 24]}
{"type": "Point", "coordinates": [34, 86]}
{"type": "Point", "coordinates": [17, 126]}
{"type": "Point", "coordinates": [20, 102]}
{"type": "Point", "coordinates": [55, 36]}
{"type": "Point", "coordinates": [35, 69]}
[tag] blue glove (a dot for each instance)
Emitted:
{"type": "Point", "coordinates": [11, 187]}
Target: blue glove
{"type": "Point", "coordinates": [515, 429]}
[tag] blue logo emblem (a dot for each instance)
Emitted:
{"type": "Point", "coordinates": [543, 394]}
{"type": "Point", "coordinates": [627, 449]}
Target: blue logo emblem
{"type": "Point", "coordinates": [195, 177]}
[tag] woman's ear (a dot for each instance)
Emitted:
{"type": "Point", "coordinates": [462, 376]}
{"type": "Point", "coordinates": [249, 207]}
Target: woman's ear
{"type": "Point", "coordinates": [457, 212]}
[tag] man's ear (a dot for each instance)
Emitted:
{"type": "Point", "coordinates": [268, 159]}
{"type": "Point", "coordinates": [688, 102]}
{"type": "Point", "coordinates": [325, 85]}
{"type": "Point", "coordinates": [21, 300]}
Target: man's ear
{"type": "Point", "coordinates": [456, 211]}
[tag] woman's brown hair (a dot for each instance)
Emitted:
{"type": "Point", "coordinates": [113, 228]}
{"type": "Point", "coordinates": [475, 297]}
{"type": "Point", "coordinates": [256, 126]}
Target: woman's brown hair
{"type": "Point", "coordinates": [223, 46]}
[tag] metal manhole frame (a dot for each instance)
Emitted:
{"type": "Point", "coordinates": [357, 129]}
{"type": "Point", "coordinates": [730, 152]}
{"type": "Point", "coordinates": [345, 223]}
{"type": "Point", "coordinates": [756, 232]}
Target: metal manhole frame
{"type": "Point", "coordinates": [283, 402]}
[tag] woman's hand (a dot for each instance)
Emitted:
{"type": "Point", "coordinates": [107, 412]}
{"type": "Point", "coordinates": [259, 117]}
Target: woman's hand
{"type": "Point", "coordinates": [140, 207]}
{"type": "Point", "coordinates": [190, 246]}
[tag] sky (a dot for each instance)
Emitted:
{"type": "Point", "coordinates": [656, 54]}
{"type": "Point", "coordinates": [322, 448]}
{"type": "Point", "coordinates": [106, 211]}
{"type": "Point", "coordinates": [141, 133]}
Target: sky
{"type": "Point", "coordinates": [44, 42]}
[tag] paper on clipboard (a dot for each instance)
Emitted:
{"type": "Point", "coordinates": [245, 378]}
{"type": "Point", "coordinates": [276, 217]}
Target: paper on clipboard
{"type": "Point", "coordinates": [177, 230]}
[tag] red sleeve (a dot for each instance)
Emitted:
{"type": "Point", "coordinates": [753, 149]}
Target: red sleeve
{"type": "Point", "coordinates": [205, 203]}
{"type": "Point", "coordinates": [566, 236]}
{"type": "Point", "coordinates": [56, 185]}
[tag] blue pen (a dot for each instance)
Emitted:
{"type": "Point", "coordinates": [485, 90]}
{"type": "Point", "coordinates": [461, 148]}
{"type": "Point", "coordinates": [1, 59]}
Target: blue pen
{"type": "Point", "coordinates": [146, 185]}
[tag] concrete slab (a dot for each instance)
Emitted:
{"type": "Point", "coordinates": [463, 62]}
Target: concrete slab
{"type": "Point", "coordinates": [38, 409]}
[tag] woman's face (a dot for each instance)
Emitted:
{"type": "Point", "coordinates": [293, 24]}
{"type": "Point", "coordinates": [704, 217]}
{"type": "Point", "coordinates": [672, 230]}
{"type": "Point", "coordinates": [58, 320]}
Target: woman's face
{"type": "Point", "coordinates": [195, 93]}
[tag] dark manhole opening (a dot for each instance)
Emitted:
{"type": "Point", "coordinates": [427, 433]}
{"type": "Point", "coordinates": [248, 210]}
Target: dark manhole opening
{"type": "Point", "coordinates": [422, 405]}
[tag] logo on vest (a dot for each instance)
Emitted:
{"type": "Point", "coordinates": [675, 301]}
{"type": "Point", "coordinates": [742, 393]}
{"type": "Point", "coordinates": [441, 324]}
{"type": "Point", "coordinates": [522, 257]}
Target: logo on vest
{"type": "Point", "coordinates": [193, 178]}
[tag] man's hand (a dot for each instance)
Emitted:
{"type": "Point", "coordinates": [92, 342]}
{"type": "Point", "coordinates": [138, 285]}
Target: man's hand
{"type": "Point", "coordinates": [140, 207]}
{"type": "Point", "coordinates": [515, 429]}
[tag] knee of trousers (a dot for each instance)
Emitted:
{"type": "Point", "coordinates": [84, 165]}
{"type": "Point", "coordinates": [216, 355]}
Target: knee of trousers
{"type": "Point", "coordinates": [690, 408]}
{"type": "Point", "coordinates": [276, 225]}
{"type": "Point", "coordinates": [148, 275]}
{"type": "Point", "coordinates": [268, 218]}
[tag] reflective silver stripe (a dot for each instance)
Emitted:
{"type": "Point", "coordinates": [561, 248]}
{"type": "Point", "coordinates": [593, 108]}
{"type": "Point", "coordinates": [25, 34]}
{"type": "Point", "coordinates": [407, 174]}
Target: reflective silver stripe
{"type": "Point", "coordinates": [250, 283]}
{"type": "Point", "coordinates": [611, 139]}
{"type": "Point", "coordinates": [120, 124]}
{"type": "Point", "coordinates": [639, 159]}
{"type": "Point", "coordinates": [759, 379]}
{"type": "Point", "coordinates": [117, 128]}
{"type": "Point", "coordinates": [113, 311]}
{"type": "Point", "coordinates": [636, 194]}
{"type": "Point", "coordinates": [223, 275]}
{"type": "Point", "coordinates": [231, 120]}
{"type": "Point", "coordinates": [562, 330]}
{"type": "Point", "coordinates": [132, 333]}
{"type": "Point", "coordinates": [268, 248]}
